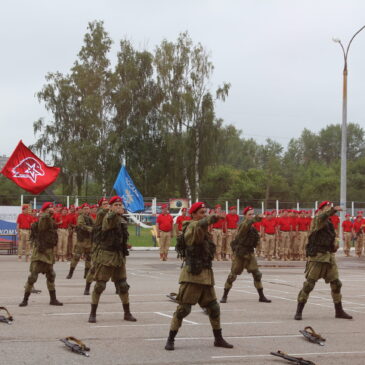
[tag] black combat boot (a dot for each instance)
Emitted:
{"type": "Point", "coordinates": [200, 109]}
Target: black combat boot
{"type": "Point", "coordinates": [85, 272]}
{"type": "Point", "coordinates": [170, 344]}
{"type": "Point", "coordinates": [219, 341]}
{"type": "Point", "coordinates": [87, 289]}
{"type": "Point", "coordinates": [225, 295]}
{"type": "Point", "coordinates": [24, 303]}
{"type": "Point", "coordinates": [54, 301]}
{"type": "Point", "coordinates": [92, 317]}
{"type": "Point", "coordinates": [340, 313]}
{"type": "Point", "coordinates": [262, 298]}
{"type": "Point", "coordinates": [69, 276]}
{"type": "Point", "coordinates": [127, 314]}
{"type": "Point", "coordinates": [298, 314]}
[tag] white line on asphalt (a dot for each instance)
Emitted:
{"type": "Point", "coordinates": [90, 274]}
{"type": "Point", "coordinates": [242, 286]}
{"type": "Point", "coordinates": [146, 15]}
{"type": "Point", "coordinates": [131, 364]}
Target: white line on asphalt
{"type": "Point", "coordinates": [167, 315]}
{"type": "Point", "coordinates": [304, 354]}
{"type": "Point", "coordinates": [230, 337]}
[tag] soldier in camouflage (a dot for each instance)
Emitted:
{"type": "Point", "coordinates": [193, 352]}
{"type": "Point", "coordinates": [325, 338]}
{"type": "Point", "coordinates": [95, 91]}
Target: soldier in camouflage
{"type": "Point", "coordinates": [101, 213]}
{"type": "Point", "coordinates": [321, 262]}
{"type": "Point", "coordinates": [110, 261]}
{"type": "Point", "coordinates": [243, 247]}
{"type": "Point", "coordinates": [196, 277]}
{"type": "Point", "coordinates": [83, 245]}
{"type": "Point", "coordinates": [44, 238]}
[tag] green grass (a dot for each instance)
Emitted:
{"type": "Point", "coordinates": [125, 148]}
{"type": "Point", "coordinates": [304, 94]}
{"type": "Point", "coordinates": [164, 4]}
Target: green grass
{"type": "Point", "coordinates": [145, 239]}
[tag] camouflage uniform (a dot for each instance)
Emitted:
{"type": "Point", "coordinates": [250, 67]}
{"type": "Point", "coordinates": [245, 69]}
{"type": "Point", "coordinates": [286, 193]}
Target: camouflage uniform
{"type": "Point", "coordinates": [43, 258]}
{"type": "Point", "coordinates": [83, 245]}
{"type": "Point", "coordinates": [321, 263]}
{"type": "Point", "coordinates": [197, 285]}
{"type": "Point", "coordinates": [244, 258]}
{"type": "Point", "coordinates": [110, 262]}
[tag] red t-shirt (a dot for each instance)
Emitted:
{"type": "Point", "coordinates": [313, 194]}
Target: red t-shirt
{"type": "Point", "coordinates": [284, 224]}
{"type": "Point", "coordinates": [180, 219]}
{"type": "Point", "coordinates": [165, 222]}
{"type": "Point", "coordinates": [72, 219]}
{"type": "Point", "coordinates": [357, 225]}
{"type": "Point", "coordinates": [232, 221]}
{"type": "Point", "coordinates": [257, 225]}
{"type": "Point", "coordinates": [24, 221]}
{"type": "Point", "coordinates": [303, 224]}
{"type": "Point", "coordinates": [269, 225]}
{"type": "Point", "coordinates": [347, 226]}
{"type": "Point", "coordinates": [64, 219]}
{"type": "Point", "coordinates": [219, 224]}
{"type": "Point", "coordinates": [335, 219]}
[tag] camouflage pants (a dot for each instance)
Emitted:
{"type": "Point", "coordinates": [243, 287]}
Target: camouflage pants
{"type": "Point", "coordinates": [191, 294]}
{"type": "Point", "coordinates": [347, 242]}
{"type": "Point", "coordinates": [217, 236]}
{"type": "Point", "coordinates": [247, 262]}
{"type": "Point", "coordinates": [321, 270]}
{"type": "Point", "coordinates": [39, 267]}
{"type": "Point", "coordinates": [103, 274]}
{"type": "Point", "coordinates": [82, 248]}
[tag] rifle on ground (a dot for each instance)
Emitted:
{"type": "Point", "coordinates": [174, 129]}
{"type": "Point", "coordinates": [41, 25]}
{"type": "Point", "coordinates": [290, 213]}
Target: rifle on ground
{"type": "Point", "coordinates": [312, 336]}
{"type": "Point", "coordinates": [9, 319]}
{"type": "Point", "coordinates": [76, 345]}
{"type": "Point", "coordinates": [295, 360]}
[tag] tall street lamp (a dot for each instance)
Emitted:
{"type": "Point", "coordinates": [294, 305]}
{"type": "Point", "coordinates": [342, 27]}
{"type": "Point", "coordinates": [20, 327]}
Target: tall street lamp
{"type": "Point", "coordinates": [343, 183]}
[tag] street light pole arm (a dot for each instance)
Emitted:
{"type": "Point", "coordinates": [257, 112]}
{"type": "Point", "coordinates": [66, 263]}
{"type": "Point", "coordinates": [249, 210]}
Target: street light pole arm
{"type": "Point", "coordinates": [348, 47]}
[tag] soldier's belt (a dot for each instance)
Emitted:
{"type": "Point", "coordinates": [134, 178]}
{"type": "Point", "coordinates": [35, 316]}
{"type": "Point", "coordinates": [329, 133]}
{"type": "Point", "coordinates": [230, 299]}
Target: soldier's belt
{"type": "Point", "coordinates": [76, 345]}
{"type": "Point", "coordinates": [6, 319]}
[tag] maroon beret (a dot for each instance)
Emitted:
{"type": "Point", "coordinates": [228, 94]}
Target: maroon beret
{"type": "Point", "coordinates": [196, 206]}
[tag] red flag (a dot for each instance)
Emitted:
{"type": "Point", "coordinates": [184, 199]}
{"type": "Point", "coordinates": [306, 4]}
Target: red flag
{"type": "Point", "coordinates": [28, 171]}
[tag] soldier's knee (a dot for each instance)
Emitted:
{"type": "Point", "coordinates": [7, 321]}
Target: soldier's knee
{"type": "Point", "coordinates": [231, 278]}
{"type": "Point", "coordinates": [308, 286]}
{"type": "Point", "coordinates": [257, 275]}
{"type": "Point", "coordinates": [122, 286]}
{"type": "Point", "coordinates": [183, 310]}
{"type": "Point", "coordinates": [336, 286]}
{"type": "Point", "coordinates": [32, 278]}
{"type": "Point", "coordinates": [100, 287]}
{"type": "Point", "coordinates": [214, 309]}
{"type": "Point", "coordinates": [51, 277]}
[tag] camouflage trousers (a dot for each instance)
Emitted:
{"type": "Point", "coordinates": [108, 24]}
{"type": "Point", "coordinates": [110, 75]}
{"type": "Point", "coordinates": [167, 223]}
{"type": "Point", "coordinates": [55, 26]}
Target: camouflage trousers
{"type": "Point", "coordinates": [102, 274]}
{"type": "Point", "coordinates": [247, 262]}
{"type": "Point", "coordinates": [321, 270]}
{"type": "Point", "coordinates": [82, 248]}
{"type": "Point", "coordinates": [40, 267]}
{"type": "Point", "coordinates": [191, 294]}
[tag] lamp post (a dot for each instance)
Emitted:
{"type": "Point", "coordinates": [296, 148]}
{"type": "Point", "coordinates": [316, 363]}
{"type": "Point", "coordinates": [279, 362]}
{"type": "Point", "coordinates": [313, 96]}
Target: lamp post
{"type": "Point", "coordinates": [343, 181]}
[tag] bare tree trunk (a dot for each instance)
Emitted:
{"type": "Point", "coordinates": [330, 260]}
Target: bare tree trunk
{"type": "Point", "coordinates": [187, 184]}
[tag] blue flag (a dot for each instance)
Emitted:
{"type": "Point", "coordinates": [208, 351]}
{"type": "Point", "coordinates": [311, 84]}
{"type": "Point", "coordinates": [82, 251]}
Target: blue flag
{"type": "Point", "coordinates": [124, 186]}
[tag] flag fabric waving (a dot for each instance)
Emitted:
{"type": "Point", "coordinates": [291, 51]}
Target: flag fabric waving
{"type": "Point", "coordinates": [124, 186]}
{"type": "Point", "coordinates": [28, 171]}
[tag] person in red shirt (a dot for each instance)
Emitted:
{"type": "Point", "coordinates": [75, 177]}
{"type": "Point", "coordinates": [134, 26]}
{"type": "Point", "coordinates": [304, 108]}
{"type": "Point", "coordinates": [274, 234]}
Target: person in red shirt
{"type": "Point", "coordinates": [258, 248]}
{"type": "Point", "coordinates": [302, 227]}
{"type": "Point", "coordinates": [232, 220]}
{"type": "Point", "coordinates": [93, 212]}
{"type": "Point", "coordinates": [284, 229]}
{"type": "Point", "coordinates": [164, 227]}
{"type": "Point", "coordinates": [72, 237]}
{"type": "Point", "coordinates": [57, 211]}
{"type": "Point", "coordinates": [269, 232]}
{"type": "Point", "coordinates": [335, 219]}
{"type": "Point", "coordinates": [62, 232]}
{"type": "Point", "coordinates": [217, 233]}
{"type": "Point", "coordinates": [180, 220]}
{"type": "Point", "coordinates": [357, 231]}
{"type": "Point", "coordinates": [347, 227]}
{"type": "Point", "coordinates": [23, 223]}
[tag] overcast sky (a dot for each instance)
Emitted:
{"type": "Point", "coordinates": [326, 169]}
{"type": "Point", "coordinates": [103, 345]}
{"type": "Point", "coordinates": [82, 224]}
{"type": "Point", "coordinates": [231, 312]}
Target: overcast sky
{"type": "Point", "coordinates": [285, 71]}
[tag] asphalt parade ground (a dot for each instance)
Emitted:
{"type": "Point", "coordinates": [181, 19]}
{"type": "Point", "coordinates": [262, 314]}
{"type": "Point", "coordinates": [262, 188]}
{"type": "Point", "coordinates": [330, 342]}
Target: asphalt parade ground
{"type": "Point", "coordinates": [255, 329]}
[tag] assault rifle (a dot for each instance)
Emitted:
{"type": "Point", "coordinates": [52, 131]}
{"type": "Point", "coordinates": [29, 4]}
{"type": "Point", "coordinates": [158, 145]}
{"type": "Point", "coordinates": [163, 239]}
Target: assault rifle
{"type": "Point", "coordinates": [9, 319]}
{"type": "Point", "coordinates": [294, 360]}
{"type": "Point", "coordinates": [312, 336]}
{"type": "Point", "coordinates": [76, 345]}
